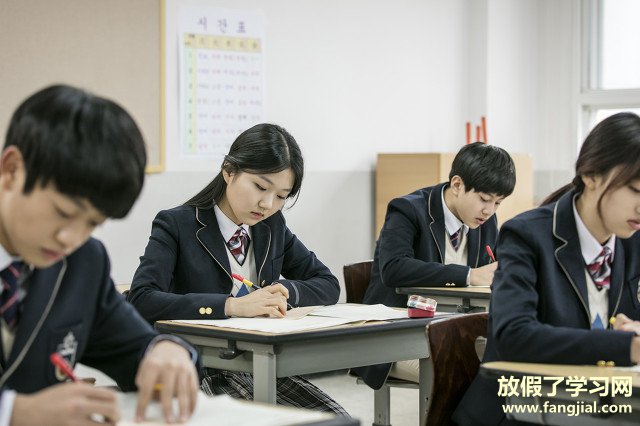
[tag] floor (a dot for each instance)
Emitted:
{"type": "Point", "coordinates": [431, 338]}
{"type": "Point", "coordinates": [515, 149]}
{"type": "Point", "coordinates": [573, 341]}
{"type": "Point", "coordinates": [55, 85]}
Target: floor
{"type": "Point", "coordinates": [356, 399]}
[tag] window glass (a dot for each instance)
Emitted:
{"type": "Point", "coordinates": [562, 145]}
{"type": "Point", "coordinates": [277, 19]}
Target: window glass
{"type": "Point", "coordinates": [619, 54]}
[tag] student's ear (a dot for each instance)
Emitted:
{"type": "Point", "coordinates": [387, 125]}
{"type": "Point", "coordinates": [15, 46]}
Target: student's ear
{"type": "Point", "coordinates": [11, 167]}
{"type": "Point", "coordinates": [591, 181]}
{"type": "Point", "coordinates": [457, 185]}
{"type": "Point", "coordinates": [226, 176]}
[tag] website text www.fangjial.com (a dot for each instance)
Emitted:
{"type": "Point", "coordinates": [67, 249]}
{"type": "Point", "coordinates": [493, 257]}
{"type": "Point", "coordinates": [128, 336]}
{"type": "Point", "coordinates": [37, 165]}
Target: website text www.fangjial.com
{"type": "Point", "coordinates": [570, 409]}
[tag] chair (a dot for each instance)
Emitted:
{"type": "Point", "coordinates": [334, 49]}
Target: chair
{"type": "Point", "coordinates": [356, 280]}
{"type": "Point", "coordinates": [452, 344]}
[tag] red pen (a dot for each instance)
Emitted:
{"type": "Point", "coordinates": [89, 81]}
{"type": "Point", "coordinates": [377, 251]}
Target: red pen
{"type": "Point", "coordinates": [62, 364]}
{"type": "Point", "coordinates": [493, 258]}
{"type": "Point", "coordinates": [242, 279]}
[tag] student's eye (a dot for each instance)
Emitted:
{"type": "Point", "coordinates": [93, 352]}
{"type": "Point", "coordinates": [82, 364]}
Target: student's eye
{"type": "Point", "coordinates": [62, 213]}
{"type": "Point", "coordinates": [282, 198]}
{"type": "Point", "coordinates": [634, 189]}
{"type": "Point", "coordinates": [260, 187]}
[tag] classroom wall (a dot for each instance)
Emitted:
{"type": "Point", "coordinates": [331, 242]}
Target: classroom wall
{"type": "Point", "coordinates": [353, 78]}
{"type": "Point", "coordinates": [348, 80]}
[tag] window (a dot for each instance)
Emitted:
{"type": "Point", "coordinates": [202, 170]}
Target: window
{"type": "Point", "coordinates": [610, 60]}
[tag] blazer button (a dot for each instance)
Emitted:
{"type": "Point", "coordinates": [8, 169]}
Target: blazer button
{"type": "Point", "coordinates": [202, 310]}
{"type": "Point", "coordinates": [601, 363]}
{"type": "Point", "coordinates": [208, 311]}
{"type": "Point", "coordinates": [610, 364]}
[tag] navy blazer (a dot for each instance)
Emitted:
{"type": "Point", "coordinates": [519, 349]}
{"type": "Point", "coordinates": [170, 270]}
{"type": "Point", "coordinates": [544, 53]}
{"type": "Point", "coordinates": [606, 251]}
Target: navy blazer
{"type": "Point", "coordinates": [411, 247]}
{"type": "Point", "coordinates": [186, 266]}
{"type": "Point", "coordinates": [540, 307]}
{"type": "Point", "coordinates": [74, 309]}
{"type": "Point", "coordinates": [410, 253]}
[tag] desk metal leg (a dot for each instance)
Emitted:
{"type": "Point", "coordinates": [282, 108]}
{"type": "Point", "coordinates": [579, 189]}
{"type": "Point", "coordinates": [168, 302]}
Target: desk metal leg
{"type": "Point", "coordinates": [426, 387]}
{"type": "Point", "coordinates": [264, 377]}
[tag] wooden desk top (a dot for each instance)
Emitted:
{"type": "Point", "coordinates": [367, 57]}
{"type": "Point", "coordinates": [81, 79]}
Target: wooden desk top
{"type": "Point", "coordinates": [559, 370]}
{"type": "Point", "coordinates": [351, 329]}
{"type": "Point", "coordinates": [471, 291]}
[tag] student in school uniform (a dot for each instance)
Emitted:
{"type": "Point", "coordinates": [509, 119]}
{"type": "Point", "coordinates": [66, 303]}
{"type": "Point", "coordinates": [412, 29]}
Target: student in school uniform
{"type": "Point", "coordinates": [566, 268]}
{"type": "Point", "coordinates": [235, 226]}
{"type": "Point", "coordinates": [70, 161]}
{"type": "Point", "coordinates": [437, 236]}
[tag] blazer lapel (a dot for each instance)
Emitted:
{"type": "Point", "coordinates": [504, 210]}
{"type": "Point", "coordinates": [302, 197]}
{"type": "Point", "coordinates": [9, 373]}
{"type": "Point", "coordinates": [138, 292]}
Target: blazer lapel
{"type": "Point", "coordinates": [568, 254]}
{"type": "Point", "coordinates": [473, 246]}
{"type": "Point", "coordinates": [617, 278]}
{"type": "Point", "coordinates": [436, 219]}
{"type": "Point", "coordinates": [261, 242]}
{"type": "Point", "coordinates": [211, 239]}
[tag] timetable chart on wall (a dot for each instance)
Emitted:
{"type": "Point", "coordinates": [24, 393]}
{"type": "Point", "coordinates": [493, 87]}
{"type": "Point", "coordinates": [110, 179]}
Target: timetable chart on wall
{"type": "Point", "coordinates": [222, 82]}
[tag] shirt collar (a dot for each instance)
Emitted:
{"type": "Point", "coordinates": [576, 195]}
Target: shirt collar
{"type": "Point", "coordinates": [5, 258]}
{"type": "Point", "coordinates": [589, 246]}
{"type": "Point", "coordinates": [451, 222]}
{"type": "Point", "coordinates": [227, 226]}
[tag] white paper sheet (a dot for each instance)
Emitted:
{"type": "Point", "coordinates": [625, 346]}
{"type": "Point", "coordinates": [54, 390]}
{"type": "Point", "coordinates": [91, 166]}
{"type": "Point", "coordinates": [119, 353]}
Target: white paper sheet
{"type": "Point", "coordinates": [272, 325]}
{"type": "Point", "coordinates": [357, 312]}
{"type": "Point", "coordinates": [221, 410]}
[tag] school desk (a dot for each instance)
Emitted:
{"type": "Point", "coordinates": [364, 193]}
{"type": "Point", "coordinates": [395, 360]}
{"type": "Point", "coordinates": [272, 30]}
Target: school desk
{"type": "Point", "coordinates": [456, 299]}
{"type": "Point", "coordinates": [270, 355]}
{"type": "Point", "coordinates": [591, 380]}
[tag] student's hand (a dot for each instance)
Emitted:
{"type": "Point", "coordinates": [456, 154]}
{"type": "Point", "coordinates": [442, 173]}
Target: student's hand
{"type": "Point", "coordinates": [168, 365]}
{"type": "Point", "coordinates": [624, 323]}
{"type": "Point", "coordinates": [66, 404]}
{"type": "Point", "coordinates": [270, 301]}
{"type": "Point", "coordinates": [483, 275]}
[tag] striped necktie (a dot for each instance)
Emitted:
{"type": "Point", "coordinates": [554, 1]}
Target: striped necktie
{"type": "Point", "coordinates": [9, 298]}
{"type": "Point", "coordinates": [600, 269]}
{"type": "Point", "coordinates": [237, 245]}
{"type": "Point", "coordinates": [455, 239]}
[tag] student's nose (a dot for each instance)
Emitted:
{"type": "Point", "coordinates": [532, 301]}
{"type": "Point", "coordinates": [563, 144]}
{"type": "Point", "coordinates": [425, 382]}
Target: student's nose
{"type": "Point", "coordinates": [266, 202]}
{"type": "Point", "coordinates": [489, 210]}
{"type": "Point", "coordinates": [72, 235]}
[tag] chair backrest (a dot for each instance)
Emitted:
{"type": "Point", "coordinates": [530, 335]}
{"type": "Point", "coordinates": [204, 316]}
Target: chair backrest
{"type": "Point", "coordinates": [356, 280]}
{"type": "Point", "coordinates": [452, 343]}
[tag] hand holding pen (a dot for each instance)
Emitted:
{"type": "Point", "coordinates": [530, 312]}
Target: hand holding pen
{"type": "Point", "coordinates": [268, 301]}
{"type": "Point", "coordinates": [66, 403]}
{"type": "Point", "coordinates": [484, 274]}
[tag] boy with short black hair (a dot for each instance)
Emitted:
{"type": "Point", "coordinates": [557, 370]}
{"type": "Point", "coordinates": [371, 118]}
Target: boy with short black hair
{"type": "Point", "coordinates": [437, 236]}
{"type": "Point", "coordinates": [70, 161]}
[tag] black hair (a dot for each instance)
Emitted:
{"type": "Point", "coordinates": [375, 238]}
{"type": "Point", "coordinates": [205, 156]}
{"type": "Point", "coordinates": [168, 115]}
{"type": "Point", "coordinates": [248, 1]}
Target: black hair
{"type": "Point", "coordinates": [614, 142]}
{"type": "Point", "coordinates": [263, 149]}
{"type": "Point", "coordinates": [485, 168]}
{"type": "Point", "coordinates": [87, 146]}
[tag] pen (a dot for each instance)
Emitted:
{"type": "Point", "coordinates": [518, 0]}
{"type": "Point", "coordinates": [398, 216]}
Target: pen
{"type": "Point", "coordinates": [242, 279]}
{"type": "Point", "coordinates": [493, 258]}
{"type": "Point", "coordinates": [62, 364]}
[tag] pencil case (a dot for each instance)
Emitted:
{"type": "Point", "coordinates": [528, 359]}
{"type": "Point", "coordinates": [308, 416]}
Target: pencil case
{"type": "Point", "coordinates": [421, 307]}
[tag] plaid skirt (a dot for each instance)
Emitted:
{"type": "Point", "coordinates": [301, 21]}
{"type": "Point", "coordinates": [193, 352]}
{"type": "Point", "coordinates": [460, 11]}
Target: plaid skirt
{"type": "Point", "coordinates": [292, 391]}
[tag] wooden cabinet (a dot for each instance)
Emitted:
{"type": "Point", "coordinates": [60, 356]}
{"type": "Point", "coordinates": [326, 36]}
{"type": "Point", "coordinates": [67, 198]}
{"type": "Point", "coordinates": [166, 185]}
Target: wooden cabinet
{"type": "Point", "coordinates": [401, 174]}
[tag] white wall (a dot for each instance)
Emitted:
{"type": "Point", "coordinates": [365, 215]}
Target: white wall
{"type": "Point", "coordinates": [353, 78]}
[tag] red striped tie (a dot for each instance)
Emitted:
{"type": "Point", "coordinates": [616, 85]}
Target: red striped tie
{"type": "Point", "coordinates": [455, 239]}
{"type": "Point", "coordinates": [9, 299]}
{"type": "Point", "coordinates": [238, 243]}
{"type": "Point", "coordinates": [600, 269]}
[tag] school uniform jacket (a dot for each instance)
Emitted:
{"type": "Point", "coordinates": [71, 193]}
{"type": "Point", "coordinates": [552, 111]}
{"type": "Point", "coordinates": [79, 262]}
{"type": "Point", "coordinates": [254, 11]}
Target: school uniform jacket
{"type": "Point", "coordinates": [74, 309]}
{"type": "Point", "coordinates": [410, 252]}
{"type": "Point", "coordinates": [411, 248]}
{"type": "Point", "coordinates": [186, 266]}
{"type": "Point", "coordinates": [539, 308]}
